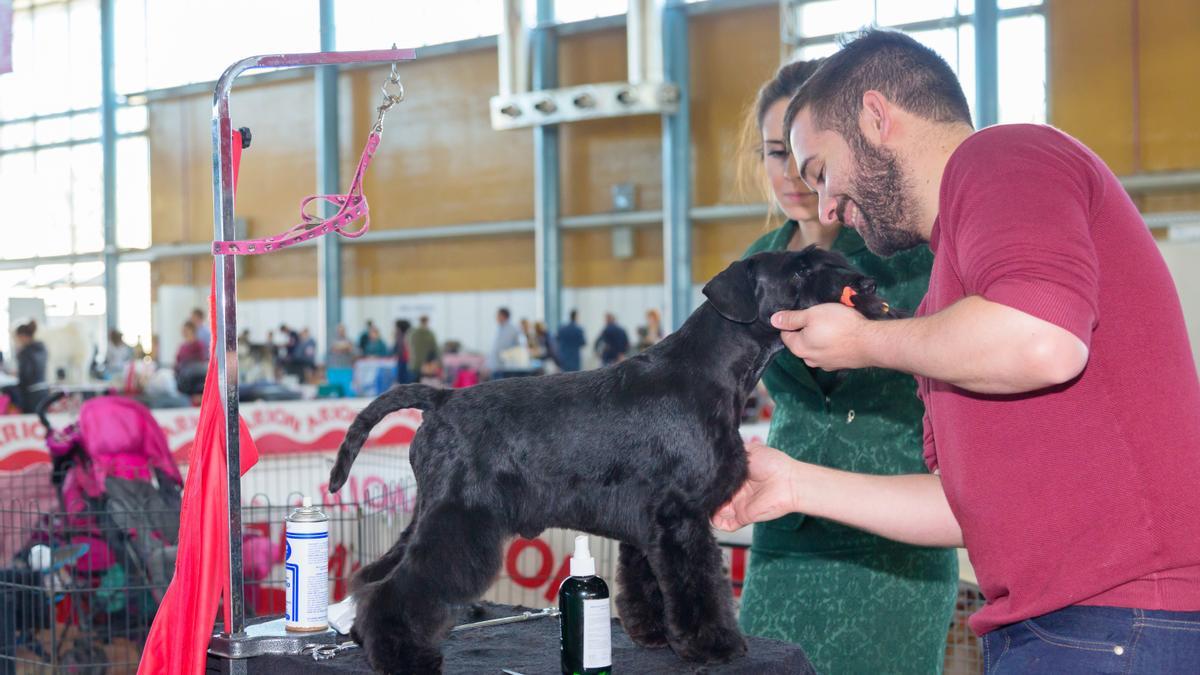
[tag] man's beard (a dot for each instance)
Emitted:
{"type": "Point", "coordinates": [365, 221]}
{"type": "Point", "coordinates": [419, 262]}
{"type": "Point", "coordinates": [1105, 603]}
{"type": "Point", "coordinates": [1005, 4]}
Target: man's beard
{"type": "Point", "coordinates": [886, 207]}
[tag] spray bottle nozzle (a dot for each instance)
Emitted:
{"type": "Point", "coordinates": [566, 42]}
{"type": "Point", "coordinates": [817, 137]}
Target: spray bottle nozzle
{"type": "Point", "coordinates": [582, 563]}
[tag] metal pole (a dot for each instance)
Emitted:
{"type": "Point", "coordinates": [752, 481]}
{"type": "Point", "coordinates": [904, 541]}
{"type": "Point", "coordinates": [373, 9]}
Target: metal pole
{"type": "Point", "coordinates": [676, 168]}
{"type": "Point", "coordinates": [108, 150]}
{"type": "Point", "coordinates": [329, 249]}
{"type": "Point", "coordinates": [546, 234]}
{"type": "Point", "coordinates": [987, 58]}
{"type": "Point", "coordinates": [226, 350]}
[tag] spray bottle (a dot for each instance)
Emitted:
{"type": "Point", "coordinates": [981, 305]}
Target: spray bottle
{"type": "Point", "coordinates": [306, 562]}
{"type": "Point", "coordinates": [585, 620]}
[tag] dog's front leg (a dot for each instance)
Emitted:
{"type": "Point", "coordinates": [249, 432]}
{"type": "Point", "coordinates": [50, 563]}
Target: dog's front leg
{"type": "Point", "coordinates": [698, 599]}
{"type": "Point", "coordinates": [640, 600]}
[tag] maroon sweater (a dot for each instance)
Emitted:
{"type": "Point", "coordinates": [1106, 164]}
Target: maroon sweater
{"type": "Point", "coordinates": [1086, 493]}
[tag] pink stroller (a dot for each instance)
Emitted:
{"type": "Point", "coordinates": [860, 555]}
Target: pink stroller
{"type": "Point", "coordinates": [113, 466]}
{"type": "Point", "coordinates": [120, 490]}
{"type": "Point", "coordinates": [94, 569]}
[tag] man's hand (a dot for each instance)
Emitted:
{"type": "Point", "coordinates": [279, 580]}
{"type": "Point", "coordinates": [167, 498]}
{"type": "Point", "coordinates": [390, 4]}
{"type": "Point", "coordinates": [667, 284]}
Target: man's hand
{"type": "Point", "coordinates": [828, 336]}
{"type": "Point", "coordinates": [767, 494]}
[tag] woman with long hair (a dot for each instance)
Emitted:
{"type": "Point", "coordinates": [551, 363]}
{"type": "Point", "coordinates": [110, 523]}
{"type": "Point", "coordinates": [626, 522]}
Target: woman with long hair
{"type": "Point", "coordinates": [856, 602]}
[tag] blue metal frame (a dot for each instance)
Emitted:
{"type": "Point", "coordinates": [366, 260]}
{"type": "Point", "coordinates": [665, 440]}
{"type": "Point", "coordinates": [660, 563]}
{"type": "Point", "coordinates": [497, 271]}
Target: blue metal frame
{"type": "Point", "coordinates": [987, 56]}
{"type": "Point", "coordinates": [329, 249]}
{"type": "Point", "coordinates": [108, 149]}
{"type": "Point", "coordinates": [676, 169]}
{"type": "Point", "coordinates": [547, 232]}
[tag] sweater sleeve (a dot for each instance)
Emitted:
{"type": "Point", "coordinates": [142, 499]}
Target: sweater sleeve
{"type": "Point", "coordinates": [1016, 208]}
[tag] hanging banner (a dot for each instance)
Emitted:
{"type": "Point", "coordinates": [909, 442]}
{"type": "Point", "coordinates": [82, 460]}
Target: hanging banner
{"type": "Point", "coordinates": [282, 428]}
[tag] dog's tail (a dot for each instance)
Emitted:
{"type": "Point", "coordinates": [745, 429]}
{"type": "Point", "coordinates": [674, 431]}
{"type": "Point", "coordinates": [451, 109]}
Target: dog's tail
{"type": "Point", "coordinates": [401, 396]}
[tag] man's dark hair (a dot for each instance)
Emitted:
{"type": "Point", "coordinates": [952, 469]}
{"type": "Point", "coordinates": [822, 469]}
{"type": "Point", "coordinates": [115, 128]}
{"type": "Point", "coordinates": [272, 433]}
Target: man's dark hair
{"type": "Point", "coordinates": [907, 72]}
{"type": "Point", "coordinates": [574, 313]}
{"type": "Point", "coordinates": [504, 312]}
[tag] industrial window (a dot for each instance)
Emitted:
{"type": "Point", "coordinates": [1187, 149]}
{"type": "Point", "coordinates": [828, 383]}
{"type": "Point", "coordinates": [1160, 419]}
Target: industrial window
{"type": "Point", "coordinates": [811, 29]}
{"type": "Point", "coordinates": [50, 156]}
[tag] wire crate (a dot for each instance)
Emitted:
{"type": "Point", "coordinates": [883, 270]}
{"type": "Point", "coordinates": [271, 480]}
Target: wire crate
{"type": "Point", "coordinates": [89, 611]}
{"type": "Point", "coordinates": [78, 590]}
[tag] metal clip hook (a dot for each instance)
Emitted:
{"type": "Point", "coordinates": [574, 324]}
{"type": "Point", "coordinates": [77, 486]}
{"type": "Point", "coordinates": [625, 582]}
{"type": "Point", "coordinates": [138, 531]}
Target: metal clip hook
{"type": "Point", "coordinates": [324, 652]}
{"type": "Point", "coordinates": [390, 96]}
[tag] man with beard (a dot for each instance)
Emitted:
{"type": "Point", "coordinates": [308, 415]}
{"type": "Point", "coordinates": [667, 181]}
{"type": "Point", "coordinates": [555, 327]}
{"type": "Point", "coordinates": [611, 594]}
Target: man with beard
{"type": "Point", "coordinates": [1069, 473]}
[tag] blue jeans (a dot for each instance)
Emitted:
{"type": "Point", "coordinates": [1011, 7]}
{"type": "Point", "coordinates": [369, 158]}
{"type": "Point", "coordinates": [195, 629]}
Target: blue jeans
{"type": "Point", "coordinates": [1083, 639]}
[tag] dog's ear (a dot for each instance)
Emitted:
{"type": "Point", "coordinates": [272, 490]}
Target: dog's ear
{"type": "Point", "coordinates": [733, 292]}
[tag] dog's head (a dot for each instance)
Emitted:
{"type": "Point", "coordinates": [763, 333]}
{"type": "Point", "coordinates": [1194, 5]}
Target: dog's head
{"type": "Point", "coordinates": [755, 288]}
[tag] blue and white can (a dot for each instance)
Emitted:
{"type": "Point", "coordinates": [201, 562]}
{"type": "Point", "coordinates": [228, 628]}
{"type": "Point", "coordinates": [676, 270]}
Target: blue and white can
{"type": "Point", "coordinates": [306, 564]}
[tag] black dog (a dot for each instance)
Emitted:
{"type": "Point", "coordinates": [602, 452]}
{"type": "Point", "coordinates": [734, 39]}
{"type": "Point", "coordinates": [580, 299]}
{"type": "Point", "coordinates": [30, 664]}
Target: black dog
{"type": "Point", "coordinates": [643, 452]}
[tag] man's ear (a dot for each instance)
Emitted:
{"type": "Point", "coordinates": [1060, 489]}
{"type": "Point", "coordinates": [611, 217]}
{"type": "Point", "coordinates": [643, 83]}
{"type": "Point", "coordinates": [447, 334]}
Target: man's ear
{"type": "Point", "coordinates": [876, 120]}
{"type": "Point", "coordinates": [733, 292]}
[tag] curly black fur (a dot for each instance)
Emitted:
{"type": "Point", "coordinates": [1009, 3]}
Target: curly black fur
{"type": "Point", "coordinates": [643, 452]}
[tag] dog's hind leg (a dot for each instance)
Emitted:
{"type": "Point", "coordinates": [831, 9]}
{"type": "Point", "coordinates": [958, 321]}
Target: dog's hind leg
{"type": "Point", "coordinates": [697, 597]}
{"type": "Point", "coordinates": [451, 557]}
{"type": "Point", "coordinates": [640, 600]}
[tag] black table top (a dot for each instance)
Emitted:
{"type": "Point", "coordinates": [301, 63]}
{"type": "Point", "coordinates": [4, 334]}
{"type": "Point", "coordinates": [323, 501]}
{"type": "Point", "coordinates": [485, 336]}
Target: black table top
{"type": "Point", "coordinates": [531, 648]}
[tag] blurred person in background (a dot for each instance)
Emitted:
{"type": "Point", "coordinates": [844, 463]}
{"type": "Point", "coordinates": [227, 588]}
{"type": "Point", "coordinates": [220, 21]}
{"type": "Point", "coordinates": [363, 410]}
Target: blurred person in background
{"type": "Point", "coordinates": [570, 341]}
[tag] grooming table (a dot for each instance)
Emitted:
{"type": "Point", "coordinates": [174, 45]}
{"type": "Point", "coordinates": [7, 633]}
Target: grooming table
{"type": "Point", "coordinates": [531, 648]}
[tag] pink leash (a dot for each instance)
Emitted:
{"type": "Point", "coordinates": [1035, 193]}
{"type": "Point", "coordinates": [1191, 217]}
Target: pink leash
{"type": "Point", "coordinates": [351, 205]}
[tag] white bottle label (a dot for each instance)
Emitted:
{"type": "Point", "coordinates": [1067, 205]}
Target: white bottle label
{"type": "Point", "coordinates": [597, 634]}
{"type": "Point", "coordinates": [306, 568]}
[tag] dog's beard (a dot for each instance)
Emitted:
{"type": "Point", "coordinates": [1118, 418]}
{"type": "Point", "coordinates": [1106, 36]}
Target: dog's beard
{"type": "Point", "coordinates": [886, 206]}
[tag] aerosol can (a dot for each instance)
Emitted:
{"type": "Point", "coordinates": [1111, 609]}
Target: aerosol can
{"type": "Point", "coordinates": [306, 565]}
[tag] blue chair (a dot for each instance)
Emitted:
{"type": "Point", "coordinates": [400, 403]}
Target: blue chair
{"type": "Point", "coordinates": [342, 378]}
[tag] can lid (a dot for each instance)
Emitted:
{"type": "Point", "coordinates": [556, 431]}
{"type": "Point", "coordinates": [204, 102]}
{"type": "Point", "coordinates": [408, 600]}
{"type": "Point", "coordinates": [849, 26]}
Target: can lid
{"type": "Point", "coordinates": [306, 512]}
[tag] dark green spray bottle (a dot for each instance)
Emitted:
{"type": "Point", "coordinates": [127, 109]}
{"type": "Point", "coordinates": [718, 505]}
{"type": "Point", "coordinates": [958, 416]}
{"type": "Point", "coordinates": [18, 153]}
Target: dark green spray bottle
{"type": "Point", "coordinates": [585, 621]}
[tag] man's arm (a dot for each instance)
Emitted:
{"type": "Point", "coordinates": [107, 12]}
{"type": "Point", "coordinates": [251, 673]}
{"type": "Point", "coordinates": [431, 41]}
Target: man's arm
{"type": "Point", "coordinates": [909, 508]}
{"type": "Point", "coordinates": [975, 344]}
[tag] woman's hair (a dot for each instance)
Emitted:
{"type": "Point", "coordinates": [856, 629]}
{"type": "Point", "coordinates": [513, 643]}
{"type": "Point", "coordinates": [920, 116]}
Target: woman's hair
{"type": "Point", "coordinates": [784, 85]}
{"type": "Point", "coordinates": [27, 329]}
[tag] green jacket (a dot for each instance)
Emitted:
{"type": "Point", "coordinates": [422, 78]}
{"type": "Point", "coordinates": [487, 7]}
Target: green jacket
{"type": "Point", "coordinates": [866, 421]}
{"type": "Point", "coordinates": [422, 348]}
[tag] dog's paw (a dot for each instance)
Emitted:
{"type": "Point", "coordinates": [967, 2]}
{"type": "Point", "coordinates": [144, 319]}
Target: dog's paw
{"type": "Point", "coordinates": [390, 645]}
{"type": "Point", "coordinates": [390, 656]}
{"type": "Point", "coordinates": [647, 635]}
{"type": "Point", "coordinates": [710, 646]}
